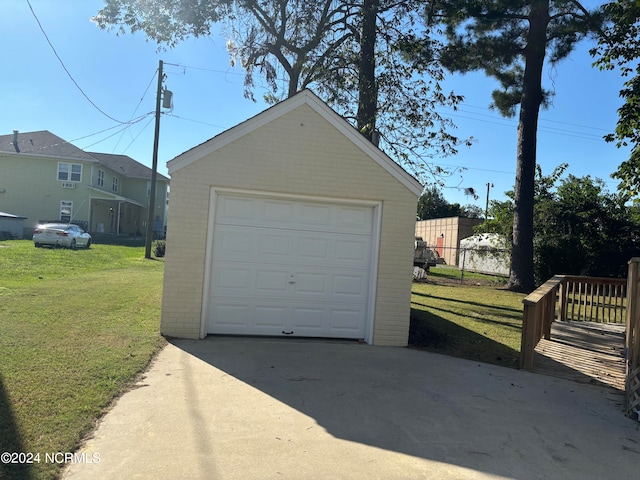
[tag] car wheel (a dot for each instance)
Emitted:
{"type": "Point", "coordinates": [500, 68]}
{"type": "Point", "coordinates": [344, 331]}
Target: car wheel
{"type": "Point", "coordinates": [73, 244]}
{"type": "Point", "coordinates": [38, 245]}
{"type": "Point", "coordinates": [89, 243]}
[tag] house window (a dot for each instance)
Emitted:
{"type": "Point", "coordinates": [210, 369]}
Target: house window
{"type": "Point", "coordinates": [69, 172]}
{"type": "Point", "coordinates": [114, 185]}
{"type": "Point", "coordinates": [66, 211]}
{"type": "Point", "coordinates": [148, 189]}
{"type": "Point", "coordinates": [100, 178]}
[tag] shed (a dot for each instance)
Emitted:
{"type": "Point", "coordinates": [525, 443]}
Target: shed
{"type": "Point", "coordinates": [444, 235]}
{"type": "Point", "coordinates": [485, 253]}
{"type": "Point", "coordinates": [11, 226]}
{"type": "Point", "coordinates": [290, 224]}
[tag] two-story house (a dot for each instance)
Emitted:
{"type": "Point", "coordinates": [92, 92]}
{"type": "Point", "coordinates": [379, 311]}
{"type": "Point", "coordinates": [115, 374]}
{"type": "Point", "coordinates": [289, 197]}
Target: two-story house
{"type": "Point", "coordinates": [45, 178]}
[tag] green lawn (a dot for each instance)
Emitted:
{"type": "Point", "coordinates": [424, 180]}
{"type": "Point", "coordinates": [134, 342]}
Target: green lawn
{"type": "Point", "coordinates": [480, 323]}
{"type": "Point", "coordinates": [76, 328]}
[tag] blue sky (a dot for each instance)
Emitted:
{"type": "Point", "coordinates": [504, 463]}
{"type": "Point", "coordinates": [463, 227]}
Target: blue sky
{"type": "Point", "coordinates": [118, 74]}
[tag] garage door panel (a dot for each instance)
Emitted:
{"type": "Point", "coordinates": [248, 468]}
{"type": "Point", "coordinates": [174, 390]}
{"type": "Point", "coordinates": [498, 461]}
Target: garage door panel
{"type": "Point", "coordinates": [275, 212]}
{"type": "Point", "coordinates": [347, 321]}
{"type": "Point", "coordinates": [233, 243]}
{"type": "Point", "coordinates": [285, 266]}
{"type": "Point", "coordinates": [355, 219]}
{"type": "Point", "coordinates": [262, 245]}
{"type": "Point", "coordinates": [349, 288]}
{"type": "Point", "coordinates": [308, 320]}
{"type": "Point", "coordinates": [230, 317]}
{"type": "Point", "coordinates": [310, 284]}
{"type": "Point", "coordinates": [311, 216]}
{"type": "Point", "coordinates": [231, 279]}
{"type": "Point", "coordinates": [235, 209]}
{"type": "Point", "coordinates": [352, 250]}
{"type": "Point", "coordinates": [271, 283]}
{"type": "Point", "coordinates": [270, 316]}
{"type": "Point", "coordinates": [312, 248]}
{"type": "Point", "coordinates": [274, 245]}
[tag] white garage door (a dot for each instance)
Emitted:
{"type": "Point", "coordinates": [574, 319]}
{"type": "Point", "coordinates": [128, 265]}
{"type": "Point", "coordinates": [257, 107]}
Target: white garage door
{"type": "Point", "coordinates": [285, 267]}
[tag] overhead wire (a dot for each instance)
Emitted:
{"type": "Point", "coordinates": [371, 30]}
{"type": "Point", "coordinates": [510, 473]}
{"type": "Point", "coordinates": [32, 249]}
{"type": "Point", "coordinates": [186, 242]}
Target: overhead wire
{"type": "Point", "coordinates": [66, 70]}
{"type": "Point", "coordinates": [134, 112]}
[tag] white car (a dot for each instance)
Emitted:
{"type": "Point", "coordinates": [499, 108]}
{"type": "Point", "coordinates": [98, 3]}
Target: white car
{"type": "Point", "coordinates": [61, 235]}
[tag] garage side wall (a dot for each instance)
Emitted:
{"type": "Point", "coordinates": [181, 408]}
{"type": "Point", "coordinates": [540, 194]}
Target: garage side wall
{"type": "Point", "coordinates": [298, 153]}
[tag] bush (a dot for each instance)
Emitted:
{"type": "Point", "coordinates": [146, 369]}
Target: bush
{"type": "Point", "coordinates": [159, 248]}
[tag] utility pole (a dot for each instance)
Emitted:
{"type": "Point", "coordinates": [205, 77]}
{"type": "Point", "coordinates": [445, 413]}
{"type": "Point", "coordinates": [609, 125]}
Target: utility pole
{"type": "Point", "coordinates": [154, 168]}
{"type": "Point", "coordinates": [486, 208]}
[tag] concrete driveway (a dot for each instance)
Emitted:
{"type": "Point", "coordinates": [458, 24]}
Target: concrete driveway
{"type": "Point", "coordinates": [246, 408]}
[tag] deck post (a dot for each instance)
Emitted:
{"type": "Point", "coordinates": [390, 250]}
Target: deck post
{"type": "Point", "coordinates": [632, 343]}
{"type": "Point", "coordinates": [562, 314]}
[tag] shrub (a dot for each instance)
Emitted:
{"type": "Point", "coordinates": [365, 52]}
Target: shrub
{"type": "Point", "coordinates": [159, 248]}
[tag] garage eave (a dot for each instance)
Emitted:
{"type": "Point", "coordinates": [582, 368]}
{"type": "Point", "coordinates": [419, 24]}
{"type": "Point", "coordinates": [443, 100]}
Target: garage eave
{"type": "Point", "coordinates": [304, 97]}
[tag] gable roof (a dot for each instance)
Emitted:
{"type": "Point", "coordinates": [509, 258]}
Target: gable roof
{"type": "Point", "coordinates": [45, 144]}
{"type": "Point", "coordinates": [301, 98]}
{"type": "Point", "coordinates": [125, 165]}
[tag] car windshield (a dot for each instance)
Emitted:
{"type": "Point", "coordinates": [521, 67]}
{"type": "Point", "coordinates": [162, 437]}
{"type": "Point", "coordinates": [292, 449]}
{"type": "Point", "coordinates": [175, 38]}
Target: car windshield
{"type": "Point", "coordinates": [56, 226]}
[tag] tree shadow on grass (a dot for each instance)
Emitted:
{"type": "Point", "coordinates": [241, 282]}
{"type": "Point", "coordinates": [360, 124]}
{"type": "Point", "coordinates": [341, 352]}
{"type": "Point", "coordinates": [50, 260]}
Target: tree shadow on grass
{"type": "Point", "coordinates": [515, 311]}
{"type": "Point", "coordinates": [434, 333]}
{"type": "Point", "coordinates": [11, 441]}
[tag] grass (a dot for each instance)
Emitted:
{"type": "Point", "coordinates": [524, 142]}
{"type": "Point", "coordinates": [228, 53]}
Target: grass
{"type": "Point", "coordinates": [481, 323]}
{"type": "Point", "coordinates": [76, 328]}
{"type": "Point", "coordinates": [449, 273]}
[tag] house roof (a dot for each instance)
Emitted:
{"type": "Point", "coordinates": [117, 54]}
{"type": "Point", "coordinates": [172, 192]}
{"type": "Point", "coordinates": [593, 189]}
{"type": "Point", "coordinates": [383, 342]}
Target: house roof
{"type": "Point", "coordinates": [304, 97]}
{"type": "Point", "coordinates": [125, 165]}
{"type": "Point", "coordinates": [10, 215]}
{"type": "Point", "coordinates": [43, 143]}
{"type": "Point", "coordinates": [46, 144]}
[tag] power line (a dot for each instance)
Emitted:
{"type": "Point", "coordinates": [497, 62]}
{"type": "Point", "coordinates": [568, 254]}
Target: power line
{"type": "Point", "coordinates": [66, 70]}
{"type": "Point", "coordinates": [124, 127]}
{"type": "Point", "coordinates": [194, 121]}
{"type": "Point", "coordinates": [139, 133]}
{"type": "Point", "coordinates": [134, 112]}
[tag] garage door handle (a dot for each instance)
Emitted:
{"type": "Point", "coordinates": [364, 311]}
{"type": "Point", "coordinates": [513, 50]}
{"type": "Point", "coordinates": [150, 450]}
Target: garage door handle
{"type": "Point", "coordinates": [287, 333]}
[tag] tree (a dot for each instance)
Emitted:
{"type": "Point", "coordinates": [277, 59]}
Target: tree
{"type": "Point", "coordinates": [510, 40]}
{"type": "Point", "coordinates": [432, 204]}
{"type": "Point", "coordinates": [348, 51]}
{"type": "Point", "coordinates": [619, 46]}
{"type": "Point", "coordinates": [472, 211]}
{"type": "Point", "coordinates": [580, 228]}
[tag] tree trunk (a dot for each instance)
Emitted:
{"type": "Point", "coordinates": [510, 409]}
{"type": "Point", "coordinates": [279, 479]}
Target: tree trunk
{"type": "Point", "coordinates": [367, 89]}
{"type": "Point", "coordinates": [522, 274]}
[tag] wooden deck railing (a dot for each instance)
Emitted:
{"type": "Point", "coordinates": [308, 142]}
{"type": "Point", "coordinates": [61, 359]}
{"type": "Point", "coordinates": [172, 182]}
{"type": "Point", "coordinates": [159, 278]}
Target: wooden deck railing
{"type": "Point", "coordinates": [567, 297]}
{"type": "Point", "coordinates": [632, 345]}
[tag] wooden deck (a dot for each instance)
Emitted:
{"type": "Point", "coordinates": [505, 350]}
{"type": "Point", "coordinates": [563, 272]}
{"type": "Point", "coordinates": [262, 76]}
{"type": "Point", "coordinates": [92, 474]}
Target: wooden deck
{"type": "Point", "coordinates": [584, 352]}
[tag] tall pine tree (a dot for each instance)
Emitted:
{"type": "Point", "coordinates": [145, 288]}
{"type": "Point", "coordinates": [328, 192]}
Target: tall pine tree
{"type": "Point", "coordinates": [511, 41]}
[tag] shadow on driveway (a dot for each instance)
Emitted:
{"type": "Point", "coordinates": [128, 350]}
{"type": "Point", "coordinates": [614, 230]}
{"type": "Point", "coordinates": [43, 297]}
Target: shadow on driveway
{"type": "Point", "coordinates": [229, 408]}
{"type": "Point", "coordinates": [481, 417]}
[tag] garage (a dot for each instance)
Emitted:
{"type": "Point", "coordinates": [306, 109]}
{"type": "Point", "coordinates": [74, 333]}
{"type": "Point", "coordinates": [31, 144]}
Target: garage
{"type": "Point", "coordinates": [290, 267]}
{"type": "Point", "coordinates": [290, 224]}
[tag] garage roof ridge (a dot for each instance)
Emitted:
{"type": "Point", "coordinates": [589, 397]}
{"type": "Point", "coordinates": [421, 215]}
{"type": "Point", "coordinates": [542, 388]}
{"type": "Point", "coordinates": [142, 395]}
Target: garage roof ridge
{"type": "Point", "coordinates": [311, 99]}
